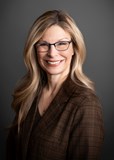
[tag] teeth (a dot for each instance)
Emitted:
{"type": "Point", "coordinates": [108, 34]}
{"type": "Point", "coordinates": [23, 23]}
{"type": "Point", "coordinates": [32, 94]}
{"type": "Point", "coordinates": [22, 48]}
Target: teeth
{"type": "Point", "coordinates": [57, 62]}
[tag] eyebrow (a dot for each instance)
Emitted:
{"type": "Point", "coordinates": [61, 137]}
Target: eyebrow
{"type": "Point", "coordinates": [62, 39]}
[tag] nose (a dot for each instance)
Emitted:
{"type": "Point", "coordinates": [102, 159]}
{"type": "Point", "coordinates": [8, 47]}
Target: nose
{"type": "Point", "coordinates": [52, 51]}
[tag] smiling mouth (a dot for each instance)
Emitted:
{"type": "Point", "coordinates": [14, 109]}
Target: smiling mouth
{"type": "Point", "coordinates": [53, 62]}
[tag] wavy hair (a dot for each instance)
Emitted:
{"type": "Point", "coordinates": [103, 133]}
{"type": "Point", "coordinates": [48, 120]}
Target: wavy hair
{"type": "Point", "coordinates": [31, 85]}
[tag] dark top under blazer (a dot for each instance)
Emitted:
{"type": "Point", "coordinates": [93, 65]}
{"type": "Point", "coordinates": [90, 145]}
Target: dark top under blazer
{"type": "Point", "coordinates": [70, 129]}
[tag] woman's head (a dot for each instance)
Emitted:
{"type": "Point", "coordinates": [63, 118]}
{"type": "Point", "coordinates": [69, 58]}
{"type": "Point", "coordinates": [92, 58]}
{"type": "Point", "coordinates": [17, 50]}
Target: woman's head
{"type": "Point", "coordinates": [40, 26]}
{"type": "Point", "coordinates": [54, 52]}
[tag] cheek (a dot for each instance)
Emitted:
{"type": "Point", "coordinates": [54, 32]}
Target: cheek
{"type": "Point", "coordinates": [40, 57]}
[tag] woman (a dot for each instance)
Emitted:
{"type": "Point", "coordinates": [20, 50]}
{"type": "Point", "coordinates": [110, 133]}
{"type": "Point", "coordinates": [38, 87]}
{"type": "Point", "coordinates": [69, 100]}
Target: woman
{"type": "Point", "coordinates": [58, 115]}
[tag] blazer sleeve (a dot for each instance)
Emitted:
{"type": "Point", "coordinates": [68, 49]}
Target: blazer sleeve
{"type": "Point", "coordinates": [87, 132]}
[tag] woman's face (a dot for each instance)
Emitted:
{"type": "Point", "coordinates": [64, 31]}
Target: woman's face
{"type": "Point", "coordinates": [53, 61]}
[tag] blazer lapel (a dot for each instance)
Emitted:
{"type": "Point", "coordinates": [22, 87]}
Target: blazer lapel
{"type": "Point", "coordinates": [56, 105]}
{"type": "Point", "coordinates": [26, 129]}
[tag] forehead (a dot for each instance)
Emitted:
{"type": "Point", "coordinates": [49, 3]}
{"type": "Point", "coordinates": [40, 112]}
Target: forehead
{"type": "Point", "coordinates": [55, 33]}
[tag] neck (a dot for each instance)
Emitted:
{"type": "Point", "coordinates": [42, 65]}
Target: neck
{"type": "Point", "coordinates": [55, 82]}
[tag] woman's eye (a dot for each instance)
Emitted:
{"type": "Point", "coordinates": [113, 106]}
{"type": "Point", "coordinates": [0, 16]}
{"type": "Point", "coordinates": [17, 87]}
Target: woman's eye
{"type": "Point", "coordinates": [62, 43]}
{"type": "Point", "coordinates": [43, 44]}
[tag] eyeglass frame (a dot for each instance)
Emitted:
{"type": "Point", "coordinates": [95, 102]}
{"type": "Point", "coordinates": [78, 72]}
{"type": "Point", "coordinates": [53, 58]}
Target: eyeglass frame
{"type": "Point", "coordinates": [49, 45]}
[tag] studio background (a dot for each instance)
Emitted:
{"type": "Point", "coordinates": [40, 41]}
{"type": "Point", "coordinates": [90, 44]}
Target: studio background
{"type": "Point", "coordinates": [95, 20]}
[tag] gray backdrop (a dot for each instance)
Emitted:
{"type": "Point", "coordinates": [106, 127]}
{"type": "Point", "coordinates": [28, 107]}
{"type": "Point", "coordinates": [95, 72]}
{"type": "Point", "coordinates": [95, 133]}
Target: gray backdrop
{"type": "Point", "coordinates": [95, 20]}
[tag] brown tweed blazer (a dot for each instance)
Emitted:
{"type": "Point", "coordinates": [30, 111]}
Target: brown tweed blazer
{"type": "Point", "coordinates": [70, 129]}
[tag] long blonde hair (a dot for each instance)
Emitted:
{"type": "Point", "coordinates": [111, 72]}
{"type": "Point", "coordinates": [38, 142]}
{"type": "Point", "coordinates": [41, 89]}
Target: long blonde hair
{"type": "Point", "coordinates": [32, 83]}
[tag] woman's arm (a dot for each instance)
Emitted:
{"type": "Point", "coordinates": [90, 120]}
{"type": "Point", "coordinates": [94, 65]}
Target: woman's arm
{"type": "Point", "coordinates": [87, 133]}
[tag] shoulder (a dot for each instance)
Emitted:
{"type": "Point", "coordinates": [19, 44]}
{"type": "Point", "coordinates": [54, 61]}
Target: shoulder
{"type": "Point", "coordinates": [85, 95]}
{"type": "Point", "coordinates": [86, 106]}
{"type": "Point", "coordinates": [86, 101]}
{"type": "Point", "coordinates": [80, 95]}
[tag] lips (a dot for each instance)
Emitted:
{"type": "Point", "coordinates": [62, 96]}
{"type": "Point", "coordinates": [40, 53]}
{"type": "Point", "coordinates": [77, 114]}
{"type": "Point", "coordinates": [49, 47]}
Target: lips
{"type": "Point", "coordinates": [53, 62]}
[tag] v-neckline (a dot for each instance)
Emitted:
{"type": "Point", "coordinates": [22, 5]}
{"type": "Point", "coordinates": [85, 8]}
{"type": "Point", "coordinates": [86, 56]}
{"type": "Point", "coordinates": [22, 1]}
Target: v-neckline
{"type": "Point", "coordinates": [55, 106]}
{"type": "Point", "coordinates": [56, 100]}
{"type": "Point", "coordinates": [52, 113]}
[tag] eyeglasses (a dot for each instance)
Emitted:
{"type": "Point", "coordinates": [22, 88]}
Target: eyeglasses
{"type": "Point", "coordinates": [60, 46]}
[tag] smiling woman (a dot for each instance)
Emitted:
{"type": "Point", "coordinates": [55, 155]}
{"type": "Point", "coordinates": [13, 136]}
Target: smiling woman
{"type": "Point", "coordinates": [55, 56]}
{"type": "Point", "coordinates": [58, 116]}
